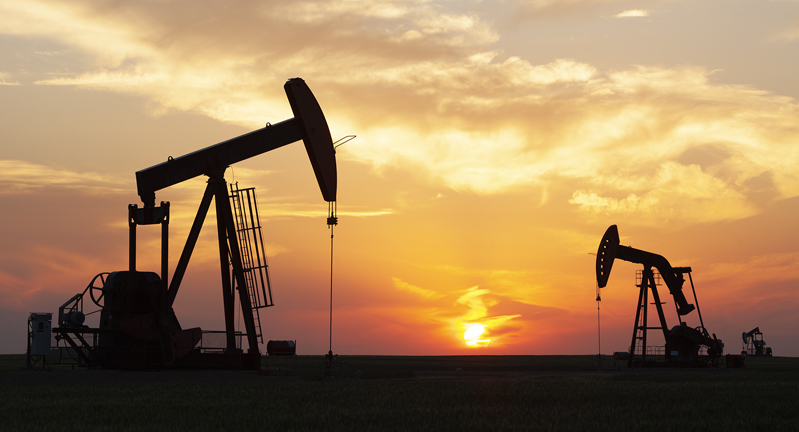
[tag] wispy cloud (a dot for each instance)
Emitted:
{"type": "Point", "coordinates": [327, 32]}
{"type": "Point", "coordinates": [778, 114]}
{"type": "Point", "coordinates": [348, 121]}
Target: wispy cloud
{"type": "Point", "coordinates": [544, 4]}
{"type": "Point", "coordinates": [786, 35]}
{"type": "Point", "coordinates": [58, 272]}
{"type": "Point", "coordinates": [757, 270]}
{"type": "Point", "coordinates": [633, 13]}
{"type": "Point", "coordinates": [283, 209]}
{"type": "Point", "coordinates": [422, 292]}
{"type": "Point", "coordinates": [413, 22]}
{"type": "Point", "coordinates": [532, 8]}
{"type": "Point", "coordinates": [634, 131]}
{"type": "Point", "coordinates": [476, 327]}
{"type": "Point", "coordinates": [20, 176]}
{"type": "Point", "coordinates": [477, 318]}
{"type": "Point", "coordinates": [676, 192]}
{"type": "Point", "coordinates": [4, 80]}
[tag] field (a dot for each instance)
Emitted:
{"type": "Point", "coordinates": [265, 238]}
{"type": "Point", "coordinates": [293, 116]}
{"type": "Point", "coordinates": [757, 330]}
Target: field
{"type": "Point", "coordinates": [458, 393]}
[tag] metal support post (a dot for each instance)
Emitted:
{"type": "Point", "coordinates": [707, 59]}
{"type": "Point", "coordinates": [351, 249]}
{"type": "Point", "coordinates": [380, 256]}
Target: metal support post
{"type": "Point", "coordinates": [132, 237]}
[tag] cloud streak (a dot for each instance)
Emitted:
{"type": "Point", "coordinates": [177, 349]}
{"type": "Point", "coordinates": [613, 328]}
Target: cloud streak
{"type": "Point", "coordinates": [4, 80]}
{"type": "Point", "coordinates": [23, 177]}
{"type": "Point", "coordinates": [633, 13]}
{"type": "Point", "coordinates": [786, 35]}
{"type": "Point", "coordinates": [413, 289]}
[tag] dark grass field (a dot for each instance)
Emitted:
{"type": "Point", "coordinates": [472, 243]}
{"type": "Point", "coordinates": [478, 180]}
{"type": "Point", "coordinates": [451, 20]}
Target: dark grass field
{"type": "Point", "coordinates": [458, 393]}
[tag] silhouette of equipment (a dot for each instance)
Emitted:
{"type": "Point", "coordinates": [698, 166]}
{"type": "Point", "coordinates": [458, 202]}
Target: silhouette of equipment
{"type": "Point", "coordinates": [683, 344]}
{"type": "Point", "coordinates": [754, 345]}
{"type": "Point", "coordinates": [138, 327]}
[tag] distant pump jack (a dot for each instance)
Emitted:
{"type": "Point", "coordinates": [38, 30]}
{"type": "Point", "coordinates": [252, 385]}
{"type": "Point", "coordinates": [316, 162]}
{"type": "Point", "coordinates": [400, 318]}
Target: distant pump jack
{"type": "Point", "coordinates": [754, 345]}
{"type": "Point", "coordinates": [138, 326]}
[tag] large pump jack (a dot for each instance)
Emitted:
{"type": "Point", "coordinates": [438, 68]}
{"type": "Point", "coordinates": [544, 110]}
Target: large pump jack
{"type": "Point", "coordinates": [138, 326]}
{"type": "Point", "coordinates": [683, 343]}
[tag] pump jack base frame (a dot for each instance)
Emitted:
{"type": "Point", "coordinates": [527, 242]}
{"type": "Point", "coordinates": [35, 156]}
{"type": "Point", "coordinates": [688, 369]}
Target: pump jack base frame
{"type": "Point", "coordinates": [682, 343]}
{"type": "Point", "coordinates": [80, 348]}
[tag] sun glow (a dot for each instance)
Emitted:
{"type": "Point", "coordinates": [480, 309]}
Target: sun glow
{"type": "Point", "coordinates": [472, 335]}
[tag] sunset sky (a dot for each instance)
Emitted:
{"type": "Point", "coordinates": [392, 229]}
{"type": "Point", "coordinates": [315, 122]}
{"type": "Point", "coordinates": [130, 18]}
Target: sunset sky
{"type": "Point", "coordinates": [496, 142]}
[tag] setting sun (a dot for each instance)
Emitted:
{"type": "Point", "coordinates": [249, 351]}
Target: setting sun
{"type": "Point", "coordinates": [472, 335]}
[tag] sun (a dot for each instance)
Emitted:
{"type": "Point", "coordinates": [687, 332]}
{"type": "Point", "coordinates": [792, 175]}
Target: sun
{"type": "Point", "coordinates": [472, 335]}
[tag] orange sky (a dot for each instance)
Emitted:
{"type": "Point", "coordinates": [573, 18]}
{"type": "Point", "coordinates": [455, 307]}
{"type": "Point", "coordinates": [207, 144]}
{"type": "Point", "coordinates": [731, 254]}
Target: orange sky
{"type": "Point", "coordinates": [496, 141]}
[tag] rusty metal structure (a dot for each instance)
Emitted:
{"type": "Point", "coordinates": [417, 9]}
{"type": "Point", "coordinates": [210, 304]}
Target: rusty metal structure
{"type": "Point", "coordinates": [685, 346]}
{"type": "Point", "coordinates": [138, 327]}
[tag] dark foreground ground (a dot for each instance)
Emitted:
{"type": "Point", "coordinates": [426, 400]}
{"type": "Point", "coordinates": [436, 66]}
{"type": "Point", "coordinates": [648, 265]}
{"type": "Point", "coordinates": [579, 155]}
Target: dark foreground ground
{"type": "Point", "coordinates": [459, 393]}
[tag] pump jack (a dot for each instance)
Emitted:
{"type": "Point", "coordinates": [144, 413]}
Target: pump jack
{"type": "Point", "coordinates": [683, 343]}
{"type": "Point", "coordinates": [138, 327]}
{"type": "Point", "coordinates": [754, 345]}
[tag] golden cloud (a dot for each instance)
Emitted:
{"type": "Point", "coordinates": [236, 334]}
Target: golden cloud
{"type": "Point", "coordinates": [543, 8]}
{"type": "Point", "coordinates": [632, 13]}
{"type": "Point", "coordinates": [21, 177]}
{"type": "Point", "coordinates": [416, 22]}
{"type": "Point", "coordinates": [426, 93]}
{"type": "Point", "coordinates": [522, 286]}
{"type": "Point", "coordinates": [476, 322]}
{"type": "Point", "coordinates": [544, 4]}
{"type": "Point", "coordinates": [478, 316]}
{"type": "Point", "coordinates": [422, 292]}
{"type": "Point", "coordinates": [281, 209]}
{"type": "Point", "coordinates": [4, 81]}
{"type": "Point", "coordinates": [677, 192]}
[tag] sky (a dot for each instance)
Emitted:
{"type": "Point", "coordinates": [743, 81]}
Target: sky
{"type": "Point", "coordinates": [496, 141]}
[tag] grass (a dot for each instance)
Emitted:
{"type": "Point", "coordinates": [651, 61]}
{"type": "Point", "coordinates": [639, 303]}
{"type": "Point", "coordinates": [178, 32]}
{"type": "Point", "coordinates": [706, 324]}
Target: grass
{"type": "Point", "coordinates": [385, 367]}
{"type": "Point", "coordinates": [391, 396]}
